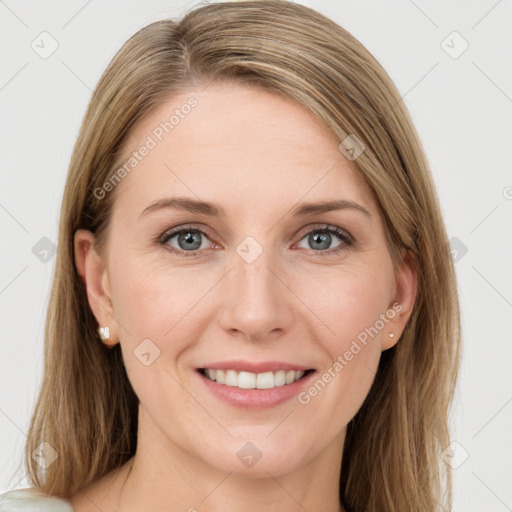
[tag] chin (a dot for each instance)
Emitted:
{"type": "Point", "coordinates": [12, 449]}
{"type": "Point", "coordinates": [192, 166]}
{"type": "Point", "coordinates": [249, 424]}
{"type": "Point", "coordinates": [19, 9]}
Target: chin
{"type": "Point", "coordinates": [258, 458]}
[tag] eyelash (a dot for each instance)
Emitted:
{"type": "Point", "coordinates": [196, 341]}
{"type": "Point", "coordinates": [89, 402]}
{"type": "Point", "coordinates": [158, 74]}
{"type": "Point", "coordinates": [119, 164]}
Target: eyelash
{"type": "Point", "coordinates": [347, 240]}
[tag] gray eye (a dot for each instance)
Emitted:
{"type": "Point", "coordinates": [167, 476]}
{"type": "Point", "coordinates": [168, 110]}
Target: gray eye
{"type": "Point", "coordinates": [188, 240]}
{"type": "Point", "coordinates": [320, 240]}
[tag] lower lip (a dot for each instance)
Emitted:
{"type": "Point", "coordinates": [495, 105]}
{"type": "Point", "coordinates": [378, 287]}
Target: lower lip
{"type": "Point", "coordinates": [256, 398]}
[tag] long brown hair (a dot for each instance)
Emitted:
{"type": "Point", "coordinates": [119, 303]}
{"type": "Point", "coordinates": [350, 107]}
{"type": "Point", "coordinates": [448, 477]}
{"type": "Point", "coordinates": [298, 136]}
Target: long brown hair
{"type": "Point", "coordinates": [87, 410]}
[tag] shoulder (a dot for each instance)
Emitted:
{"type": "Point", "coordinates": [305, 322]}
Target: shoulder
{"type": "Point", "coordinates": [32, 499]}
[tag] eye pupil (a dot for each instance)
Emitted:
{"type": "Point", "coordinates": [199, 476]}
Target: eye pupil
{"type": "Point", "coordinates": [321, 240]}
{"type": "Point", "coordinates": [189, 239]}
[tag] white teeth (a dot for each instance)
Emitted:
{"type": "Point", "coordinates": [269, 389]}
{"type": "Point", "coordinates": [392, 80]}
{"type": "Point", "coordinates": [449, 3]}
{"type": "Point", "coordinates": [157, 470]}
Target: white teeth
{"type": "Point", "coordinates": [249, 380]}
{"type": "Point", "coordinates": [246, 380]}
{"type": "Point", "coordinates": [219, 376]}
{"type": "Point", "coordinates": [231, 378]}
{"type": "Point", "coordinates": [265, 380]}
{"type": "Point", "coordinates": [279, 378]}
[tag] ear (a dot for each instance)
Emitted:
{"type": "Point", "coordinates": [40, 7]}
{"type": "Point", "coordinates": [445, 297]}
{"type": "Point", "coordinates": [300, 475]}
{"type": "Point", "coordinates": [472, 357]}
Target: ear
{"type": "Point", "coordinates": [93, 271]}
{"type": "Point", "coordinates": [402, 304]}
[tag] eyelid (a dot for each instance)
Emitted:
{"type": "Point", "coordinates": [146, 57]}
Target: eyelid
{"type": "Point", "coordinates": [170, 233]}
{"type": "Point", "coordinates": [322, 226]}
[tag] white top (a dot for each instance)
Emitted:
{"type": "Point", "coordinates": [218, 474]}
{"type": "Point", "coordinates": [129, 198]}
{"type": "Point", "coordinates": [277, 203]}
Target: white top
{"type": "Point", "coordinates": [32, 499]}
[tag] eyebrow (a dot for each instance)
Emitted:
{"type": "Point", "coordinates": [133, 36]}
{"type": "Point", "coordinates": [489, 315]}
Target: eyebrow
{"type": "Point", "coordinates": [206, 208]}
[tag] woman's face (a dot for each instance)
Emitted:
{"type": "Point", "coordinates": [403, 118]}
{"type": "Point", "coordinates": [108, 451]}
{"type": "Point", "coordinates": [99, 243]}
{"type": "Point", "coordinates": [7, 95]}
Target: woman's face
{"type": "Point", "coordinates": [255, 276]}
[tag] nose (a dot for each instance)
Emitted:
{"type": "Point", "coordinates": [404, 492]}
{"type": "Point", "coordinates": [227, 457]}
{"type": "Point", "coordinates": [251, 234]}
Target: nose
{"type": "Point", "coordinates": [258, 304]}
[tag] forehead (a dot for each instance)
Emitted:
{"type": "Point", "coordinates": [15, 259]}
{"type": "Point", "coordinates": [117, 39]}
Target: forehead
{"type": "Point", "coordinates": [231, 141]}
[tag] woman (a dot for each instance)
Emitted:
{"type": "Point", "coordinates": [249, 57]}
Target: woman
{"type": "Point", "coordinates": [254, 305]}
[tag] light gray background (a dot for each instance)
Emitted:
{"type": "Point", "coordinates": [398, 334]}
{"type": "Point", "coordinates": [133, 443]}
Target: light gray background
{"type": "Point", "coordinates": [462, 108]}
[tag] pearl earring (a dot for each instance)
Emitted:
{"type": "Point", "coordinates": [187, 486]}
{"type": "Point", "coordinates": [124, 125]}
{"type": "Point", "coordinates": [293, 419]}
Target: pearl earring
{"type": "Point", "coordinates": [104, 333]}
{"type": "Point", "coordinates": [391, 335]}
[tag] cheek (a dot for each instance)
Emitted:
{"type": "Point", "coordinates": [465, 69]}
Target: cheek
{"type": "Point", "coordinates": [162, 304]}
{"type": "Point", "coordinates": [149, 295]}
{"type": "Point", "coordinates": [350, 303]}
{"type": "Point", "coordinates": [351, 309]}
{"type": "Point", "coordinates": [346, 300]}
{"type": "Point", "coordinates": [156, 307]}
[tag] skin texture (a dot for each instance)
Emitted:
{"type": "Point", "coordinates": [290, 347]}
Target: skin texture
{"type": "Point", "coordinates": [256, 155]}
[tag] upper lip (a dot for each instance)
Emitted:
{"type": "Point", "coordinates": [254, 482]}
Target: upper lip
{"type": "Point", "coordinates": [255, 367]}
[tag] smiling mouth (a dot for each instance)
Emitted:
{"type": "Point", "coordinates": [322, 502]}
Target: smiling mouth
{"type": "Point", "coordinates": [249, 380]}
